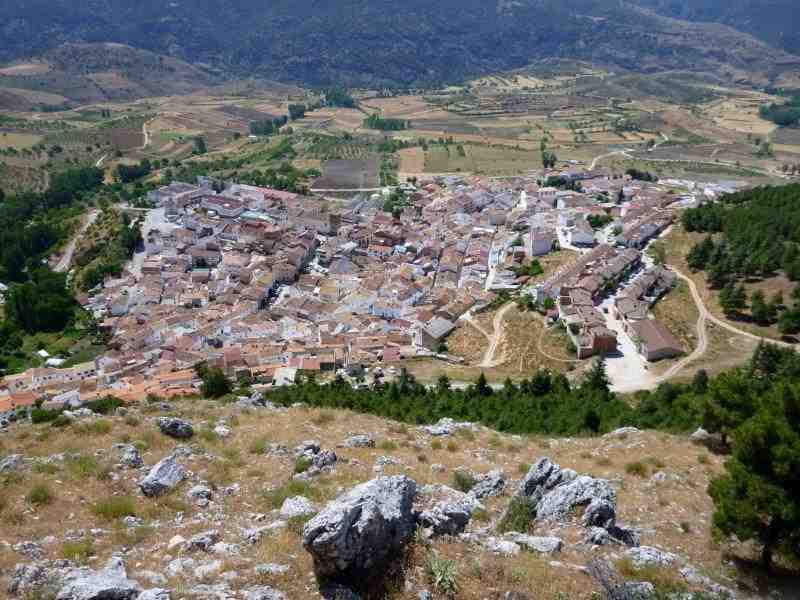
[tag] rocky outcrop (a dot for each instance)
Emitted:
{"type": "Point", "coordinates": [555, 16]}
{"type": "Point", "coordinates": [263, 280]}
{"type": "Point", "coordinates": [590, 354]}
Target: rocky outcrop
{"type": "Point", "coordinates": [647, 556]}
{"type": "Point", "coordinates": [362, 530]}
{"type": "Point", "coordinates": [359, 441]}
{"type": "Point", "coordinates": [299, 506]}
{"type": "Point", "coordinates": [12, 462]}
{"type": "Point", "coordinates": [447, 426]}
{"type": "Point", "coordinates": [163, 477]}
{"type": "Point", "coordinates": [490, 484]}
{"type": "Point", "coordinates": [110, 583]}
{"type": "Point", "coordinates": [445, 511]}
{"type": "Point", "coordinates": [538, 544]}
{"type": "Point", "coordinates": [554, 493]}
{"type": "Point", "coordinates": [176, 428]}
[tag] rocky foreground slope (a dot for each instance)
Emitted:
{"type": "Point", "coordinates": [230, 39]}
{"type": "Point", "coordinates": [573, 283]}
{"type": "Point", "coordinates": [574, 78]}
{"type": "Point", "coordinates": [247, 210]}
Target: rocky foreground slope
{"type": "Point", "coordinates": [194, 499]}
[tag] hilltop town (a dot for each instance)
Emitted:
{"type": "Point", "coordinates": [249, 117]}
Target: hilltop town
{"type": "Point", "coordinates": [265, 283]}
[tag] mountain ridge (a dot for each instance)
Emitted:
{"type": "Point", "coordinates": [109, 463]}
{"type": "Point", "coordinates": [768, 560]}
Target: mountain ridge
{"type": "Point", "coordinates": [374, 43]}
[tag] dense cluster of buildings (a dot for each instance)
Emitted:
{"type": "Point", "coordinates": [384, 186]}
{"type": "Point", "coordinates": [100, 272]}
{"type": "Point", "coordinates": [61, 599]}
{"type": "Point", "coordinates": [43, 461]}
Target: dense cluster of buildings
{"type": "Point", "coordinates": [265, 283]}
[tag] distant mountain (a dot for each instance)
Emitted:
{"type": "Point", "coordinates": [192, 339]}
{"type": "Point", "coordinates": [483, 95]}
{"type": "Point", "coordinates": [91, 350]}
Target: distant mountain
{"type": "Point", "coordinates": [388, 42]}
{"type": "Point", "coordinates": [777, 22]}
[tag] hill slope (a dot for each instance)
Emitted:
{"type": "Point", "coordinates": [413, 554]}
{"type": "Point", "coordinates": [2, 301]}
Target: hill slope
{"type": "Point", "coordinates": [386, 42]}
{"type": "Point", "coordinates": [775, 21]}
{"type": "Point", "coordinates": [103, 71]}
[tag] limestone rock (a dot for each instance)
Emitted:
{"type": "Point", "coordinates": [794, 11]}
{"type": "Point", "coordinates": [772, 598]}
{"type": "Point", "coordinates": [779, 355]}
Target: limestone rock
{"type": "Point", "coordinates": [362, 529]}
{"type": "Point", "coordinates": [647, 556]}
{"type": "Point", "coordinates": [490, 484]}
{"type": "Point", "coordinates": [163, 477]}
{"type": "Point", "coordinates": [360, 441]}
{"type": "Point", "coordinates": [299, 506]}
{"type": "Point", "coordinates": [176, 428]}
{"type": "Point", "coordinates": [110, 583]}
{"type": "Point", "coordinates": [263, 593]}
{"type": "Point", "coordinates": [540, 544]}
{"type": "Point", "coordinates": [129, 456]}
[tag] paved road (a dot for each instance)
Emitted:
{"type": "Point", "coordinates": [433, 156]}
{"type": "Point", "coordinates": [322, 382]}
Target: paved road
{"type": "Point", "coordinates": [66, 259]}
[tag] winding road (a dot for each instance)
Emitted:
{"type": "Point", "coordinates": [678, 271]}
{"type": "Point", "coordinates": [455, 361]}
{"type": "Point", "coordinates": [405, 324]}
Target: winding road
{"type": "Point", "coordinates": [66, 259]}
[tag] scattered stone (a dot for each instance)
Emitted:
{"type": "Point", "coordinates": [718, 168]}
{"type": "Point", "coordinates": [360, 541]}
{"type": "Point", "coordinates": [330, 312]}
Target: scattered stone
{"type": "Point", "coordinates": [438, 468]}
{"type": "Point", "coordinates": [201, 494]}
{"type": "Point", "coordinates": [222, 431]}
{"type": "Point", "coordinates": [152, 577]}
{"type": "Point", "coordinates": [12, 462]}
{"type": "Point", "coordinates": [299, 506]}
{"type": "Point", "coordinates": [540, 544]}
{"type": "Point", "coordinates": [204, 541]}
{"type": "Point", "coordinates": [700, 436]}
{"type": "Point", "coordinates": [175, 428]}
{"type": "Point", "coordinates": [323, 459]}
{"type": "Point", "coordinates": [27, 578]}
{"type": "Point", "coordinates": [490, 484]}
{"type": "Point", "coordinates": [271, 569]}
{"type": "Point", "coordinates": [622, 432]}
{"type": "Point", "coordinates": [180, 566]}
{"type": "Point", "coordinates": [309, 448]}
{"type": "Point", "coordinates": [359, 441]}
{"type": "Point", "coordinates": [208, 569]}
{"type": "Point", "coordinates": [695, 577]}
{"type": "Point", "coordinates": [163, 477]}
{"type": "Point", "coordinates": [176, 542]}
{"type": "Point", "coordinates": [155, 594]}
{"type": "Point", "coordinates": [29, 549]}
{"type": "Point", "coordinates": [129, 456]}
{"type": "Point", "coordinates": [131, 521]}
{"type": "Point", "coordinates": [447, 426]}
{"type": "Point", "coordinates": [638, 590]}
{"type": "Point", "coordinates": [110, 583]}
{"type": "Point", "coordinates": [263, 593]}
{"type": "Point", "coordinates": [362, 529]}
{"type": "Point", "coordinates": [647, 556]}
{"type": "Point", "coordinates": [445, 511]}
{"type": "Point", "coordinates": [501, 547]}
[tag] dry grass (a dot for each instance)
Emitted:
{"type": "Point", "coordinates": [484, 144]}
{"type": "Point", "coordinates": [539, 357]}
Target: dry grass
{"type": "Point", "coordinates": [84, 501]}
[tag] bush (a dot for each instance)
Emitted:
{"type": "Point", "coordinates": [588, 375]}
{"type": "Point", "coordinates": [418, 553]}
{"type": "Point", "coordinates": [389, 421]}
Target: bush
{"type": "Point", "coordinates": [61, 421]}
{"type": "Point", "coordinates": [79, 551]}
{"type": "Point", "coordinates": [82, 467]}
{"type": "Point", "coordinates": [639, 469]}
{"type": "Point", "coordinates": [114, 508]}
{"type": "Point", "coordinates": [443, 574]}
{"type": "Point", "coordinates": [302, 464]}
{"type": "Point", "coordinates": [258, 446]}
{"type": "Point", "coordinates": [387, 445]}
{"type": "Point", "coordinates": [275, 498]}
{"type": "Point", "coordinates": [39, 495]}
{"type": "Point", "coordinates": [104, 406]}
{"type": "Point", "coordinates": [463, 480]}
{"type": "Point", "coordinates": [518, 517]}
{"type": "Point", "coordinates": [41, 415]}
{"type": "Point", "coordinates": [436, 445]}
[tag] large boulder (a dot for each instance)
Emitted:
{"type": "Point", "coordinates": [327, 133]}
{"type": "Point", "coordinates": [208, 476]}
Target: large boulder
{"type": "Point", "coordinates": [12, 462]}
{"type": "Point", "coordinates": [534, 543]}
{"type": "Point", "coordinates": [163, 477]}
{"type": "Point", "coordinates": [447, 426]}
{"type": "Point", "coordinates": [176, 428]}
{"type": "Point", "coordinates": [298, 506]}
{"type": "Point", "coordinates": [647, 556]}
{"type": "Point", "coordinates": [363, 529]}
{"type": "Point", "coordinates": [110, 583]}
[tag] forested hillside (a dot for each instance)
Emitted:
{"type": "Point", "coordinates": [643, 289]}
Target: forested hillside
{"type": "Point", "coordinates": [752, 234]}
{"type": "Point", "coordinates": [384, 42]}
{"type": "Point", "coordinates": [775, 21]}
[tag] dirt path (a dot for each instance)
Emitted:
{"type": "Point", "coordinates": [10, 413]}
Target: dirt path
{"type": "Point", "coordinates": [64, 262]}
{"type": "Point", "coordinates": [721, 323]}
{"type": "Point", "coordinates": [146, 135]}
{"type": "Point", "coordinates": [550, 356]}
{"type": "Point", "coordinates": [702, 333]}
{"type": "Point", "coordinates": [490, 359]}
{"type": "Point", "coordinates": [100, 160]}
{"type": "Point", "coordinates": [596, 159]}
